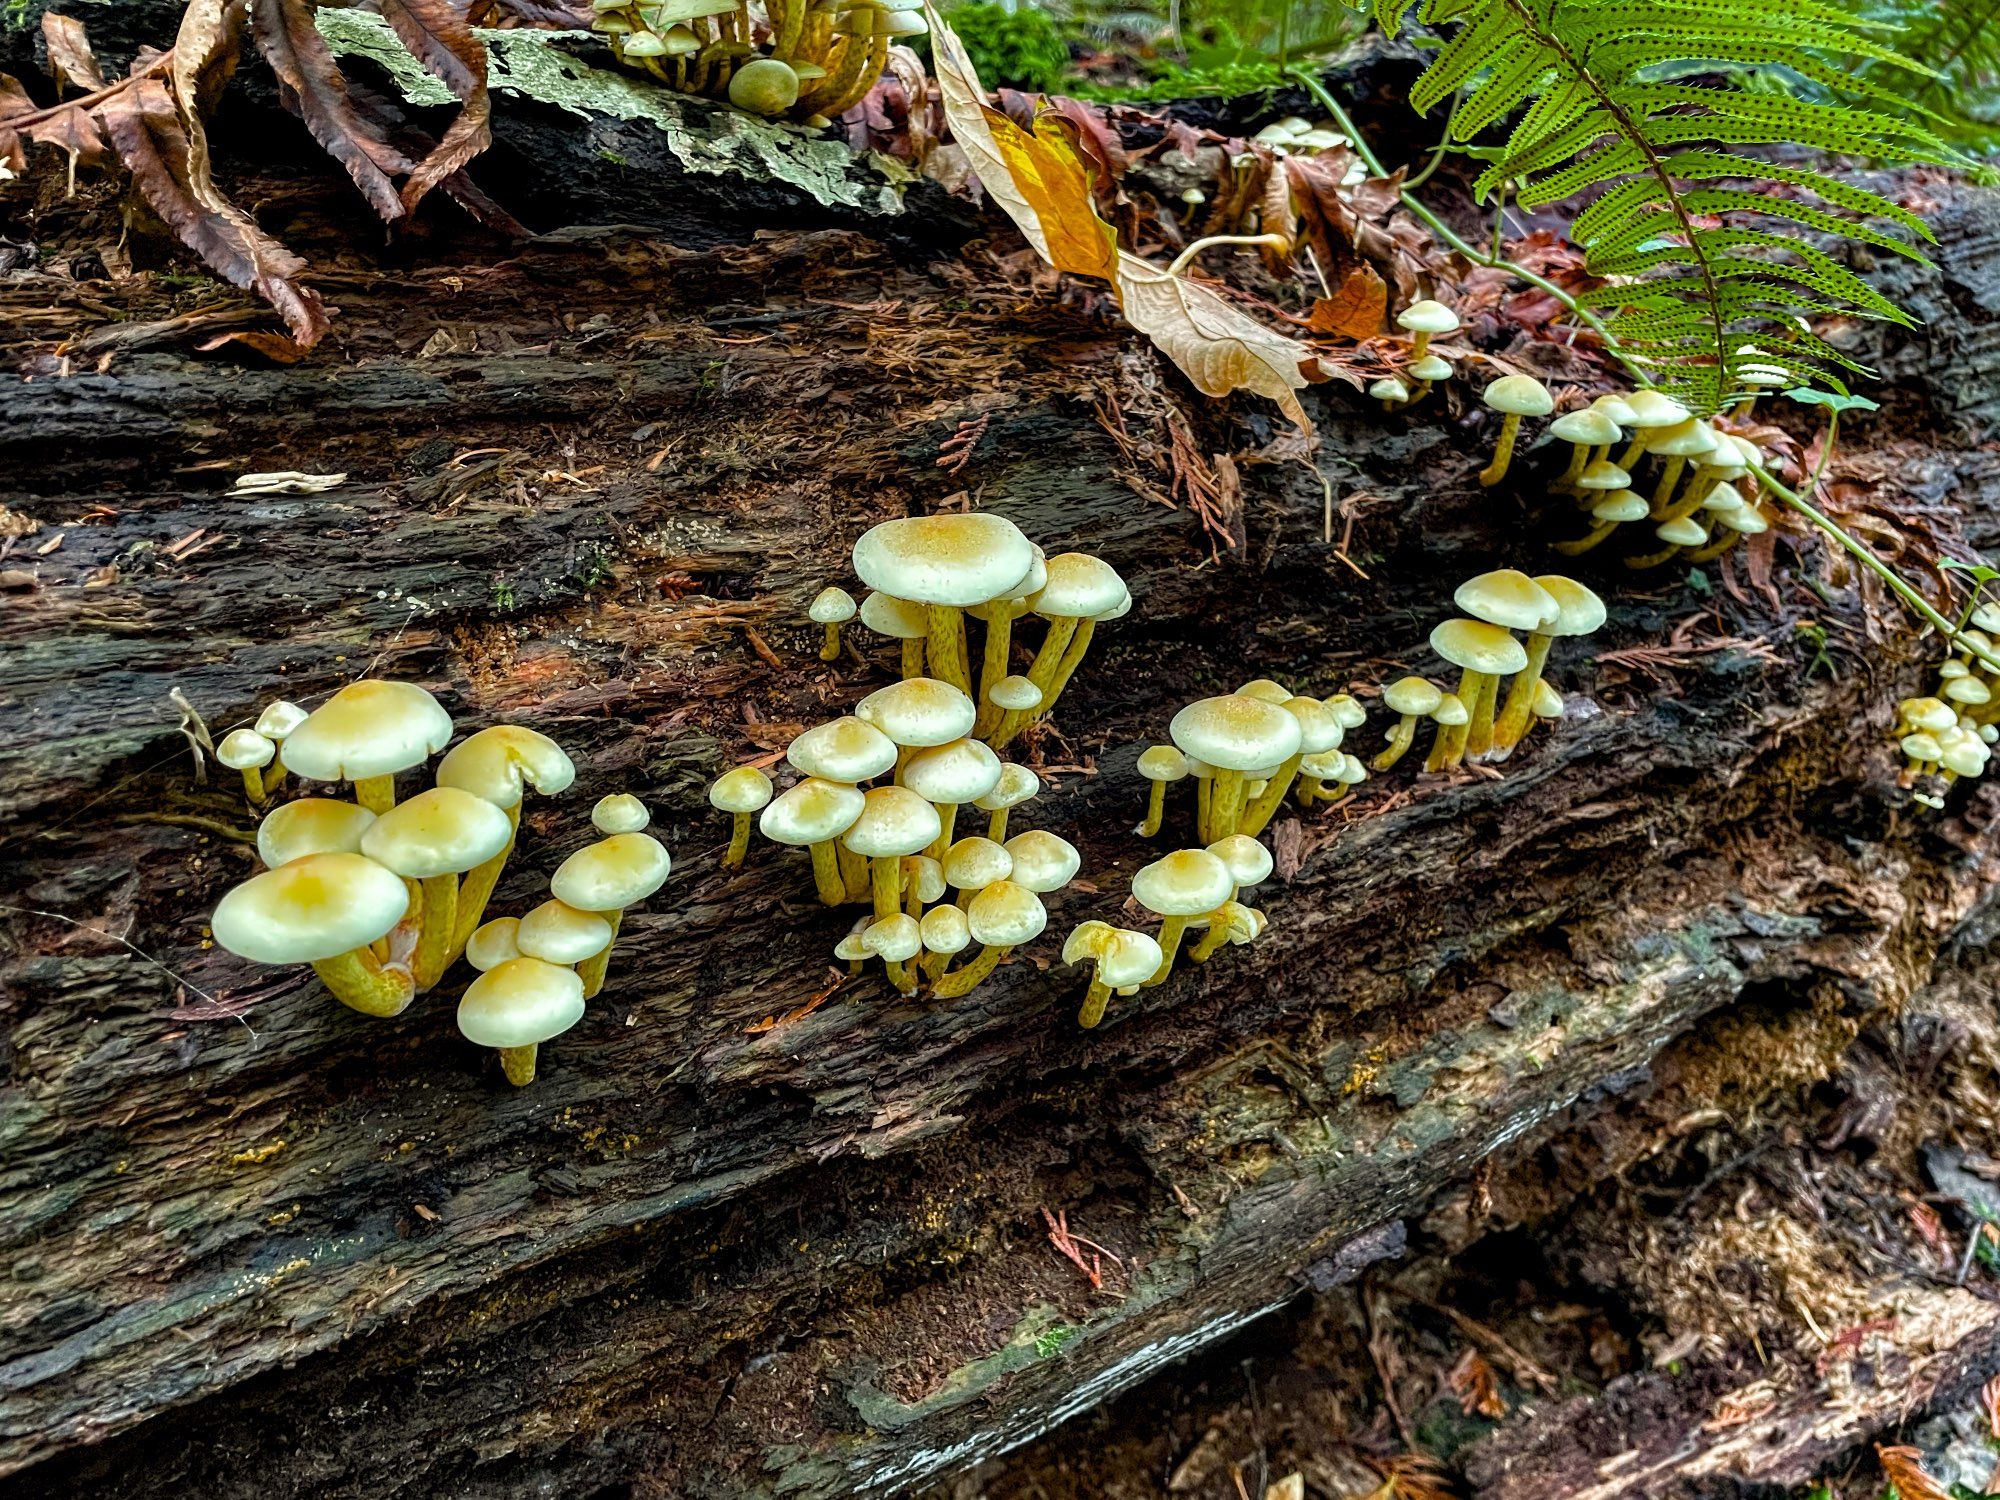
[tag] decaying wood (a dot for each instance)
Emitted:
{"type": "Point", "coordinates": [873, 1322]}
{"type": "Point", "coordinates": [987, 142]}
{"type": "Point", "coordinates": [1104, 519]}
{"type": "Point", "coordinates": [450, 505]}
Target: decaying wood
{"type": "Point", "coordinates": [757, 1229]}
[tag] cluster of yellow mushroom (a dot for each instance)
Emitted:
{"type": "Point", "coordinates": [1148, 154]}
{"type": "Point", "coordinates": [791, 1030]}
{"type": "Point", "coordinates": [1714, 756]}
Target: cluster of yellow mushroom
{"type": "Point", "coordinates": [809, 60]}
{"type": "Point", "coordinates": [1952, 734]}
{"type": "Point", "coordinates": [381, 895]}
{"type": "Point", "coordinates": [1424, 321]}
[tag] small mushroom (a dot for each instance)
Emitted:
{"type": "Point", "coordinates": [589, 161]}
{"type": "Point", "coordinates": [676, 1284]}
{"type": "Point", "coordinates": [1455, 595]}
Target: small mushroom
{"type": "Point", "coordinates": [946, 932]}
{"type": "Point", "coordinates": [1514, 397]}
{"type": "Point", "coordinates": [1647, 410]}
{"type": "Point", "coordinates": [311, 825]}
{"type": "Point", "coordinates": [326, 910]}
{"type": "Point", "coordinates": [1391, 392]}
{"type": "Point", "coordinates": [499, 764]}
{"type": "Point", "coordinates": [1319, 731]}
{"type": "Point", "coordinates": [1079, 591]}
{"type": "Point", "coordinates": [972, 864]}
{"type": "Point", "coordinates": [742, 793]}
{"type": "Point", "coordinates": [1426, 319]}
{"type": "Point", "coordinates": [900, 620]}
{"type": "Point", "coordinates": [1482, 652]}
{"type": "Point", "coordinates": [832, 607]}
{"type": "Point", "coordinates": [493, 943]}
{"type": "Point", "coordinates": [923, 882]}
{"type": "Point", "coordinates": [948, 776]}
{"type": "Point", "coordinates": [998, 616]}
{"type": "Point", "coordinates": [765, 86]}
{"type": "Point", "coordinates": [366, 733]}
{"type": "Point", "coordinates": [1178, 888]}
{"type": "Point", "coordinates": [1511, 599]}
{"type": "Point", "coordinates": [1607, 515]}
{"type": "Point", "coordinates": [517, 1005]}
{"type": "Point", "coordinates": [1578, 612]}
{"type": "Point", "coordinates": [813, 815]}
{"type": "Point", "coordinates": [1119, 957]}
{"type": "Point", "coordinates": [1734, 525]}
{"type": "Point", "coordinates": [278, 720]}
{"type": "Point", "coordinates": [894, 821]}
{"type": "Point", "coordinates": [918, 712]}
{"type": "Point", "coordinates": [1017, 784]}
{"type": "Point", "coordinates": [1685, 532]}
{"type": "Point", "coordinates": [1042, 861]}
{"type": "Point", "coordinates": [896, 940]}
{"type": "Point", "coordinates": [433, 839]}
{"type": "Point", "coordinates": [1162, 765]}
{"type": "Point", "coordinates": [606, 877]}
{"type": "Point", "coordinates": [1413, 698]}
{"type": "Point", "coordinates": [1583, 430]}
{"type": "Point", "coordinates": [1427, 372]}
{"type": "Point", "coordinates": [620, 812]}
{"type": "Point", "coordinates": [558, 933]}
{"type": "Point", "coordinates": [1315, 771]}
{"type": "Point", "coordinates": [1249, 863]}
{"type": "Point", "coordinates": [248, 752]}
{"type": "Point", "coordinates": [851, 950]}
{"type": "Point", "coordinates": [1349, 774]}
{"type": "Point", "coordinates": [1548, 702]}
{"type": "Point", "coordinates": [1001, 918]}
{"type": "Point", "coordinates": [1234, 734]}
{"type": "Point", "coordinates": [944, 562]}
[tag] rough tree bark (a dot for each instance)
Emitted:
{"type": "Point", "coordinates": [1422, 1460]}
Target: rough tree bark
{"type": "Point", "coordinates": [259, 1245]}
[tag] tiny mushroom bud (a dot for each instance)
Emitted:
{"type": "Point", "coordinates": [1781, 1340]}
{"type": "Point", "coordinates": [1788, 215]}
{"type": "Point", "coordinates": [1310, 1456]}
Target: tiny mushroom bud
{"type": "Point", "coordinates": [1578, 612]}
{"type": "Point", "coordinates": [493, 943]}
{"type": "Point", "coordinates": [832, 607]}
{"type": "Point", "coordinates": [560, 934]}
{"type": "Point", "coordinates": [1234, 734]}
{"type": "Point", "coordinates": [1017, 784]}
{"type": "Point", "coordinates": [621, 812]}
{"type": "Point", "coordinates": [1315, 771]}
{"type": "Point", "coordinates": [249, 752]}
{"type": "Point", "coordinates": [1001, 918]}
{"type": "Point", "coordinates": [324, 910]}
{"type": "Point", "coordinates": [311, 825]}
{"type": "Point", "coordinates": [606, 877]}
{"type": "Point", "coordinates": [814, 814]}
{"type": "Point", "coordinates": [278, 720]}
{"type": "Point", "coordinates": [1413, 698]}
{"type": "Point", "coordinates": [764, 86]}
{"type": "Point", "coordinates": [851, 949]}
{"type": "Point", "coordinates": [1426, 319]}
{"type": "Point", "coordinates": [894, 821]}
{"type": "Point", "coordinates": [742, 793]}
{"type": "Point", "coordinates": [1548, 702]}
{"type": "Point", "coordinates": [1483, 652]}
{"type": "Point", "coordinates": [1121, 957]}
{"type": "Point", "coordinates": [1685, 531]}
{"type": "Point", "coordinates": [366, 733]}
{"type": "Point", "coordinates": [499, 764]}
{"type": "Point", "coordinates": [1184, 885]}
{"type": "Point", "coordinates": [1347, 711]}
{"type": "Point", "coordinates": [900, 620]}
{"type": "Point", "coordinates": [1160, 765]}
{"type": "Point", "coordinates": [945, 562]}
{"type": "Point", "coordinates": [1607, 515]}
{"type": "Point", "coordinates": [1390, 391]}
{"type": "Point", "coordinates": [1514, 397]}
{"type": "Point", "coordinates": [433, 839]}
{"type": "Point", "coordinates": [517, 1005]}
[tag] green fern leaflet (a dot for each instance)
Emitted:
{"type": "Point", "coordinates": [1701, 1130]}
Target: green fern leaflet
{"type": "Point", "coordinates": [1713, 259]}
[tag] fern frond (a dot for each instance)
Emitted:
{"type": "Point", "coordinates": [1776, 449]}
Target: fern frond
{"type": "Point", "coordinates": [1711, 256]}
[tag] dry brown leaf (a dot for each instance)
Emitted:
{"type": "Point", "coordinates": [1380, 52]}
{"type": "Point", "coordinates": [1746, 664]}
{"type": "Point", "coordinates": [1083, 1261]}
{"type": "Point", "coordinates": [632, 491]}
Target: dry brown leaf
{"type": "Point", "coordinates": [1904, 1468]}
{"type": "Point", "coordinates": [313, 86]}
{"type": "Point", "coordinates": [1989, 1403]}
{"type": "Point", "coordinates": [437, 35]}
{"type": "Point", "coordinates": [70, 58]}
{"type": "Point", "coordinates": [1478, 1389]}
{"type": "Point", "coordinates": [1356, 308]}
{"type": "Point", "coordinates": [206, 49]}
{"type": "Point", "coordinates": [1218, 348]}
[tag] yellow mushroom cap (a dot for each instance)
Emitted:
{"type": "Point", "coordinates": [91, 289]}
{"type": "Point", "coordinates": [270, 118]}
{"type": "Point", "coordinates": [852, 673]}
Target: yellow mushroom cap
{"type": "Point", "coordinates": [1587, 426]}
{"type": "Point", "coordinates": [1651, 409]}
{"type": "Point", "coordinates": [1128, 958]}
{"type": "Point", "coordinates": [1519, 396]}
{"type": "Point", "coordinates": [520, 1003]}
{"type": "Point", "coordinates": [895, 939]}
{"type": "Point", "coordinates": [612, 873]}
{"type": "Point", "coordinates": [1235, 733]}
{"type": "Point", "coordinates": [1548, 702]}
{"type": "Point", "coordinates": [317, 907]}
{"type": "Point", "coordinates": [973, 863]}
{"type": "Point", "coordinates": [311, 825]}
{"type": "Point", "coordinates": [764, 86]}
{"type": "Point", "coordinates": [1412, 695]}
{"type": "Point", "coordinates": [1428, 316]}
{"type": "Point", "coordinates": [897, 618]}
{"type": "Point", "coordinates": [368, 728]}
{"type": "Point", "coordinates": [561, 934]}
{"type": "Point", "coordinates": [621, 812]}
{"type": "Point", "coordinates": [1929, 713]}
{"type": "Point", "coordinates": [1451, 711]}
{"type": "Point", "coordinates": [1162, 763]}
{"type": "Point", "coordinates": [1265, 689]}
{"type": "Point", "coordinates": [1478, 647]}
{"type": "Point", "coordinates": [1183, 884]}
{"type": "Point", "coordinates": [1079, 587]}
{"type": "Point", "coordinates": [1017, 694]}
{"type": "Point", "coordinates": [1248, 862]}
{"type": "Point", "coordinates": [499, 762]}
{"type": "Point", "coordinates": [1615, 407]}
{"type": "Point", "coordinates": [680, 41]}
{"type": "Point", "coordinates": [279, 719]}
{"type": "Point", "coordinates": [1431, 369]}
{"type": "Point", "coordinates": [1389, 388]}
{"type": "Point", "coordinates": [439, 832]}
{"type": "Point", "coordinates": [1687, 439]}
{"type": "Point", "coordinates": [1578, 610]}
{"type": "Point", "coordinates": [1091, 939]}
{"type": "Point", "coordinates": [1016, 785]}
{"type": "Point", "coordinates": [1325, 766]}
{"type": "Point", "coordinates": [1319, 728]}
{"type": "Point", "coordinates": [1006, 915]}
{"type": "Point", "coordinates": [918, 711]}
{"type": "Point", "coordinates": [1042, 861]}
{"type": "Point", "coordinates": [843, 749]}
{"type": "Point", "coordinates": [850, 947]}
{"type": "Point", "coordinates": [743, 790]}
{"type": "Point", "coordinates": [1508, 597]}
{"type": "Point", "coordinates": [812, 812]}
{"type": "Point", "coordinates": [245, 750]}
{"type": "Point", "coordinates": [1348, 710]}
{"type": "Point", "coordinates": [1683, 531]}
{"type": "Point", "coordinates": [1351, 772]}
{"type": "Point", "coordinates": [1623, 505]}
{"type": "Point", "coordinates": [493, 943]}
{"type": "Point", "coordinates": [960, 771]}
{"type": "Point", "coordinates": [831, 606]}
{"type": "Point", "coordinates": [946, 559]}
{"type": "Point", "coordinates": [1603, 475]}
{"type": "Point", "coordinates": [894, 821]}
{"type": "Point", "coordinates": [923, 875]}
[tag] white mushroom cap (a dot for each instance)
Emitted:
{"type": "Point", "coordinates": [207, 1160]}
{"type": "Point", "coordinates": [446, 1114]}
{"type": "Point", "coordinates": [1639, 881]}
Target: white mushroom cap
{"type": "Point", "coordinates": [1248, 862]}
{"type": "Point", "coordinates": [1615, 407]}
{"type": "Point", "coordinates": [1651, 409]}
{"type": "Point", "coordinates": [279, 719]}
{"type": "Point", "coordinates": [1431, 368]}
{"type": "Point", "coordinates": [1929, 713]}
{"type": "Point", "coordinates": [561, 934]}
{"type": "Point", "coordinates": [894, 821]}
{"type": "Point", "coordinates": [612, 873]}
{"type": "Point", "coordinates": [439, 832]}
{"type": "Point", "coordinates": [643, 44]}
{"type": "Point", "coordinates": [1042, 861]}
{"type": "Point", "coordinates": [1235, 733]}
{"type": "Point", "coordinates": [1090, 939]}
{"type": "Point", "coordinates": [897, 618]}
{"type": "Point", "coordinates": [895, 939]}
{"type": "Point", "coordinates": [1016, 785]}
{"type": "Point", "coordinates": [520, 1003]}
{"type": "Point", "coordinates": [1428, 316]}
{"type": "Point", "coordinates": [844, 749]}
{"type": "Point", "coordinates": [1266, 690]}
{"type": "Point", "coordinates": [1603, 475]}
{"type": "Point", "coordinates": [831, 606]}
{"type": "Point", "coordinates": [493, 943]}
{"type": "Point", "coordinates": [1987, 617]}
{"type": "Point", "coordinates": [961, 771]}
{"type": "Point", "coordinates": [1017, 694]}
{"type": "Point", "coordinates": [1162, 763]}
{"type": "Point", "coordinates": [1687, 439]}
{"type": "Point", "coordinates": [1183, 884]}
{"type": "Point", "coordinates": [1968, 690]}
{"type": "Point", "coordinates": [850, 947]}
{"type": "Point", "coordinates": [1548, 702]}
{"type": "Point", "coordinates": [1952, 668]}
{"type": "Point", "coordinates": [1578, 610]}
{"type": "Point", "coordinates": [1622, 505]}
{"type": "Point", "coordinates": [1006, 915]}
{"type": "Point", "coordinates": [1519, 396]}
{"type": "Point", "coordinates": [1319, 728]}
{"type": "Point", "coordinates": [812, 812]}
{"type": "Point", "coordinates": [1919, 746]}
{"type": "Point", "coordinates": [1348, 710]}
{"type": "Point", "coordinates": [368, 728]}
{"type": "Point", "coordinates": [1683, 531]}
{"type": "Point", "coordinates": [945, 929]}
{"type": "Point", "coordinates": [317, 907]}
{"type": "Point", "coordinates": [743, 790]}
{"type": "Point", "coordinates": [1389, 388]}
{"type": "Point", "coordinates": [1079, 587]}
{"type": "Point", "coordinates": [1412, 695]}
{"type": "Point", "coordinates": [621, 812]}
{"type": "Point", "coordinates": [918, 711]}
{"type": "Point", "coordinates": [497, 764]}
{"type": "Point", "coordinates": [1128, 958]}
{"type": "Point", "coordinates": [1745, 520]}
{"type": "Point", "coordinates": [1478, 646]}
{"type": "Point", "coordinates": [923, 875]}
{"type": "Point", "coordinates": [1352, 771]}
{"type": "Point", "coordinates": [947, 559]}
{"type": "Point", "coordinates": [973, 863]}
{"type": "Point", "coordinates": [245, 750]}
{"type": "Point", "coordinates": [1508, 597]}
{"type": "Point", "coordinates": [311, 825]}
{"type": "Point", "coordinates": [1451, 711]}
{"type": "Point", "coordinates": [1586, 426]}
{"type": "Point", "coordinates": [1325, 766]}
{"type": "Point", "coordinates": [1965, 756]}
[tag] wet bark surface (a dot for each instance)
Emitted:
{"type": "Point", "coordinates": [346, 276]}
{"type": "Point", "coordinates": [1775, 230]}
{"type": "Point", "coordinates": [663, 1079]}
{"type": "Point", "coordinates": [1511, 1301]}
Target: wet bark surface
{"type": "Point", "coordinates": [757, 1230]}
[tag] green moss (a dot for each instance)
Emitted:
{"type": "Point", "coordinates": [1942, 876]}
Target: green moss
{"type": "Point", "coordinates": [1019, 49]}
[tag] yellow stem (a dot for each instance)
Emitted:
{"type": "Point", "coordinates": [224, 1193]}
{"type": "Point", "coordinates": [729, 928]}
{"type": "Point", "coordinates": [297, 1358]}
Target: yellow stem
{"type": "Point", "coordinates": [946, 646]}
{"type": "Point", "coordinates": [739, 842]}
{"type": "Point", "coordinates": [1000, 617]}
{"type": "Point", "coordinates": [874, 57]}
{"type": "Point", "coordinates": [963, 981]}
{"type": "Point", "coordinates": [829, 648]}
{"type": "Point", "coordinates": [440, 920]}
{"type": "Point", "coordinates": [1663, 492]}
{"type": "Point", "coordinates": [1400, 739]}
{"type": "Point", "coordinates": [947, 821]}
{"type": "Point", "coordinates": [1503, 452]}
{"type": "Point", "coordinates": [1588, 540]}
{"type": "Point", "coordinates": [592, 970]}
{"type": "Point", "coordinates": [253, 785]}
{"type": "Point", "coordinates": [1170, 944]}
{"type": "Point", "coordinates": [1310, 790]}
{"type": "Point", "coordinates": [1094, 1000]}
{"type": "Point", "coordinates": [1225, 809]}
{"type": "Point", "coordinates": [1257, 816]}
{"type": "Point", "coordinates": [476, 889]}
{"type": "Point", "coordinates": [853, 873]}
{"type": "Point", "coordinates": [376, 793]}
{"type": "Point", "coordinates": [1204, 799]}
{"type": "Point", "coordinates": [518, 1063]}
{"type": "Point", "coordinates": [900, 976]}
{"type": "Point", "coordinates": [913, 657]}
{"type": "Point", "coordinates": [1214, 938]}
{"type": "Point", "coordinates": [1072, 658]}
{"type": "Point", "coordinates": [1578, 456]}
{"type": "Point", "coordinates": [888, 880]}
{"type": "Point", "coordinates": [826, 873]}
{"type": "Point", "coordinates": [1156, 810]}
{"type": "Point", "coordinates": [361, 983]}
{"type": "Point", "coordinates": [996, 826]}
{"type": "Point", "coordinates": [1519, 712]}
{"type": "Point", "coordinates": [1479, 733]}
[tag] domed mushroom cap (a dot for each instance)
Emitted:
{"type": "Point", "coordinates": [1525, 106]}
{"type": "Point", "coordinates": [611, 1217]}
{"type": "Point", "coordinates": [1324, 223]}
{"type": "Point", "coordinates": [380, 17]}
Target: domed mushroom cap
{"type": "Point", "coordinates": [844, 749]}
{"type": "Point", "coordinates": [1451, 711]}
{"type": "Point", "coordinates": [245, 750]}
{"type": "Point", "coordinates": [923, 875]}
{"type": "Point", "coordinates": [1745, 520]}
{"type": "Point", "coordinates": [973, 863]}
{"type": "Point", "coordinates": [1324, 766]}
{"type": "Point", "coordinates": [1684, 531]}
{"type": "Point", "coordinates": [1615, 407]}
{"type": "Point", "coordinates": [743, 790]}
{"type": "Point", "coordinates": [1431, 367]}
{"type": "Point", "coordinates": [894, 821]}
{"type": "Point", "coordinates": [1347, 708]}
{"type": "Point", "coordinates": [1586, 426]}
{"type": "Point", "coordinates": [1016, 785]}
{"type": "Point", "coordinates": [1987, 617]}
{"type": "Point", "coordinates": [439, 832]}
{"type": "Point", "coordinates": [1603, 475]}
{"type": "Point", "coordinates": [1931, 714]}
{"type": "Point", "coordinates": [1319, 727]}
{"type": "Point", "coordinates": [1016, 694]}
{"type": "Point", "coordinates": [894, 939]}
{"type": "Point", "coordinates": [1006, 915]}
{"type": "Point", "coordinates": [320, 906]}
{"type": "Point", "coordinates": [1042, 861]}
{"type": "Point", "coordinates": [1090, 940]}
{"type": "Point", "coordinates": [520, 1003]}
{"type": "Point", "coordinates": [1622, 505]}
{"type": "Point", "coordinates": [1519, 396]}
{"type": "Point", "coordinates": [612, 873]}
{"type": "Point", "coordinates": [1352, 771]}
{"type": "Point", "coordinates": [1578, 610]}
{"type": "Point", "coordinates": [1689, 439]}
{"type": "Point", "coordinates": [1248, 862]}
{"type": "Point", "coordinates": [1079, 587]}
{"type": "Point", "coordinates": [945, 929]}
{"type": "Point", "coordinates": [1128, 958]}
{"type": "Point", "coordinates": [949, 559]}
{"type": "Point", "coordinates": [918, 711]}
{"type": "Point", "coordinates": [499, 762]}
{"type": "Point", "coordinates": [1478, 647]}
{"type": "Point", "coordinates": [493, 943]}
{"type": "Point", "coordinates": [680, 41]}
{"type": "Point", "coordinates": [279, 719]}
{"type": "Point", "coordinates": [1724, 497]}
{"type": "Point", "coordinates": [1183, 884]}
{"type": "Point", "coordinates": [1427, 316]}
{"type": "Point", "coordinates": [368, 728]}
{"type": "Point", "coordinates": [764, 86]}
{"type": "Point", "coordinates": [1966, 755]}
{"type": "Point", "coordinates": [1508, 597]}
{"type": "Point", "coordinates": [812, 812]}
{"type": "Point", "coordinates": [621, 812]}
{"type": "Point", "coordinates": [1922, 745]}
{"type": "Point", "coordinates": [1265, 690]}
{"type": "Point", "coordinates": [1235, 733]}
{"type": "Point", "coordinates": [1651, 409]}
{"type": "Point", "coordinates": [896, 618]}
{"type": "Point", "coordinates": [561, 934]}
{"type": "Point", "coordinates": [832, 605]}
{"type": "Point", "coordinates": [961, 771]}
{"type": "Point", "coordinates": [1389, 388]}
{"type": "Point", "coordinates": [1162, 763]}
{"type": "Point", "coordinates": [1969, 691]}
{"type": "Point", "coordinates": [1412, 695]}
{"type": "Point", "coordinates": [311, 825]}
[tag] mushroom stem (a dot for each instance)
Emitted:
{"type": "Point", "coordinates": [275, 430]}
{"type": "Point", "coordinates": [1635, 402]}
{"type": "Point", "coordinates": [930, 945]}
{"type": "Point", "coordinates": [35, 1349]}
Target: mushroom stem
{"type": "Point", "coordinates": [1311, 789]}
{"type": "Point", "coordinates": [945, 646]}
{"type": "Point", "coordinates": [1171, 931]}
{"type": "Point", "coordinates": [1579, 456]}
{"type": "Point", "coordinates": [1257, 816]}
{"type": "Point", "coordinates": [829, 648]}
{"type": "Point", "coordinates": [996, 826]}
{"type": "Point", "coordinates": [1632, 451]}
{"type": "Point", "coordinates": [1045, 673]}
{"type": "Point", "coordinates": [476, 889]}
{"type": "Point", "coordinates": [887, 873]}
{"type": "Point", "coordinates": [518, 1063]}
{"type": "Point", "coordinates": [1479, 733]}
{"type": "Point", "coordinates": [1663, 492]}
{"type": "Point", "coordinates": [376, 793]}
{"type": "Point", "coordinates": [1214, 938]}
{"type": "Point", "coordinates": [853, 873]}
{"type": "Point", "coordinates": [1225, 808]}
{"type": "Point", "coordinates": [1503, 451]}
{"type": "Point", "coordinates": [1400, 739]}
{"type": "Point", "coordinates": [874, 57]}
{"type": "Point", "coordinates": [739, 837]}
{"type": "Point", "coordinates": [1156, 810]}
{"type": "Point", "coordinates": [1715, 549]}
{"type": "Point", "coordinates": [913, 657]}
{"type": "Point", "coordinates": [1000, 617]}
{"type": "Point", "coordinates": [361, 982]}
{"type": "Point", "coordinates": [1450, 747]}
{"type": "Point", "coordinates": [1700, 482]}
{"type": "Point", "coordinates": [790, 25]}
{"type": "Point", "coordinates": [1580, 545]}
{"type": "Point", "coordinates": [900, 976]}
{"type": "Point", "coordinates": [947, 820]}
{"type": "Point", "coordinates": [1095, 999]}
{"type": "Point", "coordinates": [591, 971]}
{"type": "Point", "coordinates": [1204, 799]}
{"type": "Point", "coordinates": [1515, 717]}
{"type": "Point", "coordinates": [253, 785]}
{"type": "Point", "coordinates": [963, 981]}
{"type": "Point", "coordinates": [1420, 346]}
{"type": "Point", "coordinates": [1652, 559]}
{"type": "Point", "coordinates": [440, 925]}
{"type": "Point", "coordinates": [826, 873]}
{"type": "Point", "coordinates": [1079, 643]}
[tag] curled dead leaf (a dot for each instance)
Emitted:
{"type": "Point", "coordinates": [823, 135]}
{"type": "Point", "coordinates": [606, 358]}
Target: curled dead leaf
{"type": "Point", "coordinates": [1218, 348]}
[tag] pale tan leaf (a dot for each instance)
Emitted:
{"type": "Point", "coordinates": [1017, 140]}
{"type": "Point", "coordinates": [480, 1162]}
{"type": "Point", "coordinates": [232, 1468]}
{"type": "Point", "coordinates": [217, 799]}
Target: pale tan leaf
{"type": "Point", "coordinates": [70, 58]}
{"type": "Point", "coordinates": [1218, 348]}
{"type": "Point", "coordinates": [206, 48]}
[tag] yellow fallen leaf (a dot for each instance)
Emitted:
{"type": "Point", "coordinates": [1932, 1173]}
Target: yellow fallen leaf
{"type": "Point", "coordinates": [1218, 348]}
